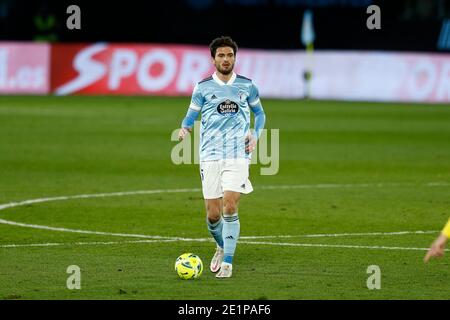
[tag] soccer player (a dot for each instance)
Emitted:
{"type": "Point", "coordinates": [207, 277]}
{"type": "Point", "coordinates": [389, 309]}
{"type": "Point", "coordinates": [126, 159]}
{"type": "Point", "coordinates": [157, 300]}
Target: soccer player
{"type": "Point", "coordinates": [438, 246]}
{"type": "Point", "coordinates": [224, 100]}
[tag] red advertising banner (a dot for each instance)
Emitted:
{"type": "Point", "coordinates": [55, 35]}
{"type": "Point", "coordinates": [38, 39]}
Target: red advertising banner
{"type": "Point", "coordinates": [24, 68]}
{"type": "Point", "coordinates": [128, 69]}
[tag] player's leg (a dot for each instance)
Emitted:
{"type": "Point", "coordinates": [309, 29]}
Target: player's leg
{"type": "Point", "coordinates": [214, 222]}
{"type": "Point", "coordinates": [212, 193]}
{"type": "Point", "coordinates": [214, 219]}
{"type": "Point", "coordinates": [230, 232]}
{"type": "Point", "coordinates": [231, 226]}
{"type": "Point", "coordinates": [235, 182]}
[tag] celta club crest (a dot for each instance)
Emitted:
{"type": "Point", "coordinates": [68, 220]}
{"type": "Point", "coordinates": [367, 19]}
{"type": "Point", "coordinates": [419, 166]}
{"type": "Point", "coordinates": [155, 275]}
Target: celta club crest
{"type": "Point", "coordinates": [242, 95]}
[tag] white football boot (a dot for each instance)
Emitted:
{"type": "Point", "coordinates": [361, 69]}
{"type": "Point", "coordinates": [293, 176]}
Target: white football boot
{"type": "Point", "coordinates": [216, 260]}
{"type": "Point", "coordinates": [226, 270]}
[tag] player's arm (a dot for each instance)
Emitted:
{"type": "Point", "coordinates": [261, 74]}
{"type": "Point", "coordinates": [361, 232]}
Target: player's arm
{"type": "Point", "coordinates": [437, 249]}
{"type": "Point", "coordinates": [260, 117]}
{"type": "Point", "coordinates": [187, 123]}
{"type": "Point", "coordinates": [192, 113]}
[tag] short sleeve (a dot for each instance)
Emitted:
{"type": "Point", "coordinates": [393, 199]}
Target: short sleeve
{"type": "Point", "coordinates": [197, 99]}
{"type": "Point", "coordinates": [253, 98]}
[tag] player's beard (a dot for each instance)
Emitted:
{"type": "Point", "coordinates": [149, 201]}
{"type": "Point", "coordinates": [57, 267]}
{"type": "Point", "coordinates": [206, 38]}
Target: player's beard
{"type": "Point", "coordinates": [225, 71]}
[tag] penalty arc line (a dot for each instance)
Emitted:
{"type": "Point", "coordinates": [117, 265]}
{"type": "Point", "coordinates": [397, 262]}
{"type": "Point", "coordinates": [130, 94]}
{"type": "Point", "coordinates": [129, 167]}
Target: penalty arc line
{"type": "Point", "coordinates": [115, 194]}
{"type": "Point", "coordinates": [127, 193]}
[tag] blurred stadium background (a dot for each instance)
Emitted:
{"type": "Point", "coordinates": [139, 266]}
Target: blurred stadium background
{"type": "Point", "coordinates": [160, 48]}
{"type": "Point", "coordinates": [364, 120]}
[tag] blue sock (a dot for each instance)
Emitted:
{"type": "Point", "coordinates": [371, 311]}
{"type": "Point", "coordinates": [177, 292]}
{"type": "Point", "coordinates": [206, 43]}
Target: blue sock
{"type": "Point", "coordinates": [216, 230]}
{"type": "Point", "coordinates": [231, 228]}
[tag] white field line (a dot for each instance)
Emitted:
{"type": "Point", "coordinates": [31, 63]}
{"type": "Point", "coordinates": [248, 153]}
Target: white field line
{"type": "Point", "coordinates": [98, 195]}
{"type": "Point", "coordinates": [35, 226]}
{"type": "Point", "coordinates": [127, 193]}
{"type": "Point", "coordinates": [59, 244]}
{"type": "Point", "coordinates": [356, 185]}
{"type": "Point", "coordinates": [173, 239]}
{"type": "Point", "coordinates": [88, 196]}
{"type": "Point", "coordinates": [333, 246]}
{"type": "Point", "coordinates": [356, 234]}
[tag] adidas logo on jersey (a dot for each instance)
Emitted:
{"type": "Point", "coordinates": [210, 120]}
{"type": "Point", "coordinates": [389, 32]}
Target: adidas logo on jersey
{"type": "Point", "coordinates": [229, 237]}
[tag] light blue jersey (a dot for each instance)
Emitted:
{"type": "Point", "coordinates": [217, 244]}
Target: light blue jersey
{"type": "Point", "coordinates": [225, 121]}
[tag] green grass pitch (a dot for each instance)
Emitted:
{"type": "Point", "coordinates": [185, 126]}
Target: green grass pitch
{"type": "Point", "coordinates": [346, 168]}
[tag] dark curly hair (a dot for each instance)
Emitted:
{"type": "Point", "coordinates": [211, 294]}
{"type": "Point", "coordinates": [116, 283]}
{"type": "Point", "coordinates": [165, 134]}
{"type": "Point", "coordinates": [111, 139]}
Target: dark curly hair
{"type": "Point", "coordinates": [223, 41]}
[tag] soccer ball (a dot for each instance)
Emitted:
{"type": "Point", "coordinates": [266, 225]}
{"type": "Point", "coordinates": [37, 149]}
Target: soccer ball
{"type": "Point", "coordinates": [188, 266]}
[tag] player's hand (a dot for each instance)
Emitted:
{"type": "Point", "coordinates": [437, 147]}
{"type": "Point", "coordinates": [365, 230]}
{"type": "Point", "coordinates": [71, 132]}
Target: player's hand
{"type": "Point", "coordinates": [250, 143]}
{"type": "Point", "coordinates": [183, 132]}
{"type": "Point", "coordinates": [437, 248]}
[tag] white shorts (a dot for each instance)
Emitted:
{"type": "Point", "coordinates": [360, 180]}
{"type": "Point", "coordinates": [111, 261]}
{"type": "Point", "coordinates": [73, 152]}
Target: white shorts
{"type": "Point", "coordinates": [225, 175]}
